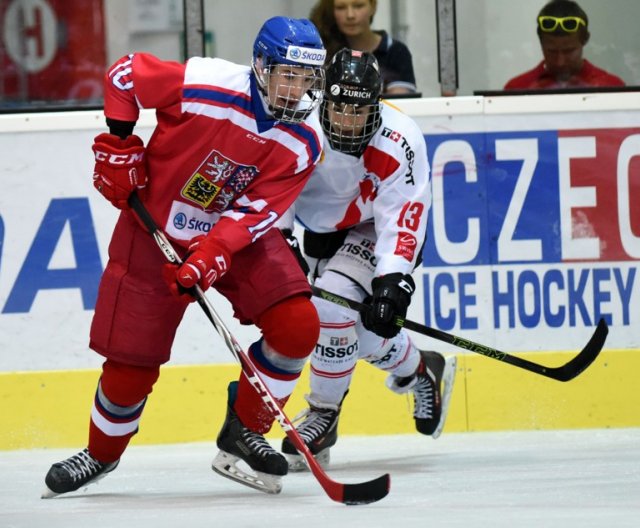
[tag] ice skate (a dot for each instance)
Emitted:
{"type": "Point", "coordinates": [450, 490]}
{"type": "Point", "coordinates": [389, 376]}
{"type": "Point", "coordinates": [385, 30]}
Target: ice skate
{"type": "Point", "coordinates": [319, 430]}
{"type": "Point", "coordinates": [432, 392]}
{"type": "Point", "coordinates": [74, 473]}
{"type": "Point", "coordinates": [237, 443]}
{"type": "Point", "coordinates": [448, 377]}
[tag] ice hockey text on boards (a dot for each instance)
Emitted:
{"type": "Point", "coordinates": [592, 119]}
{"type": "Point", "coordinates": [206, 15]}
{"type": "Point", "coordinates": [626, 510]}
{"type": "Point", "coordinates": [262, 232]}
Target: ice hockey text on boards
{"type": "Point", "coordinates": [556, 296]}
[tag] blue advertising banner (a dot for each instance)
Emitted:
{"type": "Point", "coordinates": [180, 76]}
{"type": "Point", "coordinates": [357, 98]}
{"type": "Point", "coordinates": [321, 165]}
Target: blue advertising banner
{"type": "Point", "coordinates": [545, 223]}
{"type": "Point", "coordinates": [534, 232]}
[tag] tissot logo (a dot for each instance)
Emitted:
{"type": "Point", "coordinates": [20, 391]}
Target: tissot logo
{"type": "Point", "coordinates": [336, 351]}
{"type": "Point", "coordinates": [408, 151]}
{"type": "Point", "coordinates": [391, 134]}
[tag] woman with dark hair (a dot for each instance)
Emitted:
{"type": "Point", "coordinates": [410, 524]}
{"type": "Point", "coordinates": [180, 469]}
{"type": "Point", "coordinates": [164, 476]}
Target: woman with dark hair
{"type": "Point", "coordinates": [347, 24]}
{"type": "Point", "coordinates": [563, 30]}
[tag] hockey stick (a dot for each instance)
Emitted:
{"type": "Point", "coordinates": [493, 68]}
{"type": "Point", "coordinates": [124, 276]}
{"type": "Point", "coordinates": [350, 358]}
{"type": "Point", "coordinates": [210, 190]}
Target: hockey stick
{"type": "Point", "coordinates": [360, 493]}
{"type": "Point", "coordinates": [566, 372]}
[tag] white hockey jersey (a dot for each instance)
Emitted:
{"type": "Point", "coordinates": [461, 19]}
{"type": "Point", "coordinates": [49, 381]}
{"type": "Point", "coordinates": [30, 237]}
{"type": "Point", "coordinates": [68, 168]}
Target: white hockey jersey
{"type": "Point", "coordinates": [390, 184]}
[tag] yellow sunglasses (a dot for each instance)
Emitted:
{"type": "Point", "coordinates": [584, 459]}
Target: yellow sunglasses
{"type": "Point", "coordinates": [569, 24]}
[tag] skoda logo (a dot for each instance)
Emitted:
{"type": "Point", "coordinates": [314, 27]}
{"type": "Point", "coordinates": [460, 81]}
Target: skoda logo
{"type": "Point", "coordinates": [180, 221]}
{"type": "Point", "coordinates": [295, 53]}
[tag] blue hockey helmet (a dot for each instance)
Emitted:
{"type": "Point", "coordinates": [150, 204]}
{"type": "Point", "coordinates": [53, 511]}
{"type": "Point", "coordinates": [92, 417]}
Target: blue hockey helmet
{"type": "Point", "coordinates": [289, 41]}
{"type": "Point", "coordinates": [290, 93]}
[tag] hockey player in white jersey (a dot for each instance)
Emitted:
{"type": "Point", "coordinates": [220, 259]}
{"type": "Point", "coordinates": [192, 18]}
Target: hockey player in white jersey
{"type": "Point", "coordinates": [364, 211]}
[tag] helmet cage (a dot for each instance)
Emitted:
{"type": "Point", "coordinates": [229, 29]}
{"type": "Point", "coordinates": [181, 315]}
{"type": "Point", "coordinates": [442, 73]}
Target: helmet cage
{"type": "Point", "coordinates": [354, 85]}
{"type": "Point", "coordinates": [338, 119]}
{"type": "Point", "coordinates": [291, 92]}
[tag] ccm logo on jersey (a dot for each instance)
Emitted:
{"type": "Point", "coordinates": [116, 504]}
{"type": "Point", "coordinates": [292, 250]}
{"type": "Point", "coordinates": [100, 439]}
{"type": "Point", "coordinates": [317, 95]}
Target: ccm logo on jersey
{"type": "Point", "coordinates": [119, 159]}
{"type": "Point", "coordinates": [408, 152]}
{"type": "Point", "coordinates": [406, 245]}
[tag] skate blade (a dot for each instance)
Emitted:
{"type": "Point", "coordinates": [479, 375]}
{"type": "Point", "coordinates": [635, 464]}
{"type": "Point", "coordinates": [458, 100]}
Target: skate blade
{"type": "Point", "coordinates": [448, 377]}
{"type": "Point", "coordinates": [225, 464]}
{"type": "Point", "coordinates": [48, 494]}
{"type": "Point", "coordinates": [298, 463]}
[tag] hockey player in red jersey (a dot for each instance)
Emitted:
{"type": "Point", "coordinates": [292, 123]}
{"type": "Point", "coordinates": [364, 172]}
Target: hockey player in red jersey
{"type": "Point", "coordinates": [232, 149]}
{"type": "Point", "coordinates": [364, 211]}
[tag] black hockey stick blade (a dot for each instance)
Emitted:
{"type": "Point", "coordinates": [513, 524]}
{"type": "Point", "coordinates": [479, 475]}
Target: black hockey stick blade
{"type": "Point", "coordinates": [352, 494]}
{"type": "Point", "coordinates": [366, 492]}
{"type": "Point", "coordinates": [587, 355]}
{"type": "Point", "coordinates": [566, 372]}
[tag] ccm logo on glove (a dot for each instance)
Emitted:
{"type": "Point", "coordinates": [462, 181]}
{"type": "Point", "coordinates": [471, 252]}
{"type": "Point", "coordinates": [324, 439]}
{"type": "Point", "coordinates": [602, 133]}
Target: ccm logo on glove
{"type": "Point", "coordinates": [207, 260]}
{"type": "Point", "coordinates": [120, 168]}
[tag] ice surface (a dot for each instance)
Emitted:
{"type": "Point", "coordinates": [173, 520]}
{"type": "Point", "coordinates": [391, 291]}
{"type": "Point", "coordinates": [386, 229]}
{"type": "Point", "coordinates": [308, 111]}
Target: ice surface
{"type": "Point", "coordinates": [587, 478]}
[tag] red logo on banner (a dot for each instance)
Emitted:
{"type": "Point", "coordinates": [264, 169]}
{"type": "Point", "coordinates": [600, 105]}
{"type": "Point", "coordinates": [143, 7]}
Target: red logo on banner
{"type": "Point", "coordinates": [54, 51]}
{"type": "Point", "coordinates": [614, 176]}
{"type": "Point", "coordinates": [406, 245]}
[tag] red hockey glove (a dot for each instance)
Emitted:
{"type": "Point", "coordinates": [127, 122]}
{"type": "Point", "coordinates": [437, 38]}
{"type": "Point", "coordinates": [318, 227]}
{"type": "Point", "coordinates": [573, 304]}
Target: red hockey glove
{"type": "Point", "coordinates": [207, 260]}
{"type": "Point", "coordinates": [120, 167]}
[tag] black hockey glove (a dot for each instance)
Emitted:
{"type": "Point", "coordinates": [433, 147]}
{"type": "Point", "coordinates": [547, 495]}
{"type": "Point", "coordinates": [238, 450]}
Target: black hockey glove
{"type": "Point", "coordinates": [391, 298]}
{"type": "Point", "coordinates": [295, 247]}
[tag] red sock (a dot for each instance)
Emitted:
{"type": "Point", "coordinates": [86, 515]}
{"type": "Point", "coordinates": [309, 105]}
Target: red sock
{"type": "Point", "coordinates": [291, 329]}
{"type": "Point", "coordinates": [117, 407]}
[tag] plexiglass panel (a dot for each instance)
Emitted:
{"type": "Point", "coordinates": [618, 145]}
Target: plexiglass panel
{"type": "Point", "coordinates": [53, 53]}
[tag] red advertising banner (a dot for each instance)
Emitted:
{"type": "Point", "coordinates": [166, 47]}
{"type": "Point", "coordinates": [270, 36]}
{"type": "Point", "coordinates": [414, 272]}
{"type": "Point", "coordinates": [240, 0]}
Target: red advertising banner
{"type": "Point", "coordinates": [51, 51]}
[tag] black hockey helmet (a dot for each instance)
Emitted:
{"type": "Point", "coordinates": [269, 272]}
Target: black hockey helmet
{"type": "Point", "coordinates": [350, 110]}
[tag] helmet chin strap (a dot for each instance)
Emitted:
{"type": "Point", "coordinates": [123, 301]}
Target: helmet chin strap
{"type": "Point", "coordinates": [268, 107]}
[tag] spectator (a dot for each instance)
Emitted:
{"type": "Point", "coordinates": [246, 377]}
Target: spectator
{"type": "Point", "coordinates": [347, 24]}
{"type": "Point", "coordinates": [563, 30]}
{"type": "Point", "coordinates": [233, 147]}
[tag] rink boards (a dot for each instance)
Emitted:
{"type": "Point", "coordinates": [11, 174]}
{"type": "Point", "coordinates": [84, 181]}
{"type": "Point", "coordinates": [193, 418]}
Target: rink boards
{"type": "Point", "coordinates": [534, 235]}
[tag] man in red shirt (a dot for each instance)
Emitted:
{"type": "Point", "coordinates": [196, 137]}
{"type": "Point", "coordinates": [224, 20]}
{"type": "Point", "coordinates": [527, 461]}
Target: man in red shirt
{"type": "Point", "coordinates": [563, 30]}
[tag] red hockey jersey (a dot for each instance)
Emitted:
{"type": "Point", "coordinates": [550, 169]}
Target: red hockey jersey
{"type": "Point", "coordinates": [217, 161]}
